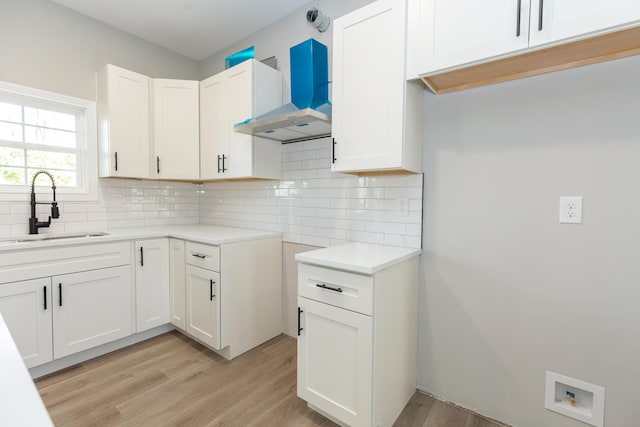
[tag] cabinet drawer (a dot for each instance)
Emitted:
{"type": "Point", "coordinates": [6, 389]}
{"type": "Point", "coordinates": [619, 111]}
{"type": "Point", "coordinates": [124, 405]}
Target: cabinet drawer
{"type": "Point", "coordinates": [338, 288]}
{"type": "Point", "coordinates": [33, 263]}
{"type": "Point", "coordinates": [203, 256]}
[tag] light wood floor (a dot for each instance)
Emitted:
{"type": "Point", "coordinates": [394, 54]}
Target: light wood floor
{"type": "Point", "coordinates": [172, 381]}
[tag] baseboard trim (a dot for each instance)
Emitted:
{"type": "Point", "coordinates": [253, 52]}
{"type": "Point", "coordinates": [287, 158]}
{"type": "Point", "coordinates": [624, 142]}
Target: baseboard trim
{"type": "Point", "coordinates": [457, 405]}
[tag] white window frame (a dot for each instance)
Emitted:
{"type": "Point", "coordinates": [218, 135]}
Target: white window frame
{"type": "Point", "coordinates": [87, 161]}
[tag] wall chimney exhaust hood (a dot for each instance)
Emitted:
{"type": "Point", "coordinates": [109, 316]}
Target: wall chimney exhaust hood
{"type": "Point", "coordinates": [308, 116]}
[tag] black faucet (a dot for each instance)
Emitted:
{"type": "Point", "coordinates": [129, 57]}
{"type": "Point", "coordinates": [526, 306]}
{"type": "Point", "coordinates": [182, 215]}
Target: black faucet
{"type": "Point", "coordinates": [34, 225]}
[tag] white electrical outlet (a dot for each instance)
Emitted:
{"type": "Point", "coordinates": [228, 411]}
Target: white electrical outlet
{"type": "Point", "coordinates": [571, 210]}
{"type": "Point", "coordinates": [403, 206]}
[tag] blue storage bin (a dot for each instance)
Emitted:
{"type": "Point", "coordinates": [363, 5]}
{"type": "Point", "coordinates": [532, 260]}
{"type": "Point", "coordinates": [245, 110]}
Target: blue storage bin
{"type": "Point", "coordinates": [238, 57]}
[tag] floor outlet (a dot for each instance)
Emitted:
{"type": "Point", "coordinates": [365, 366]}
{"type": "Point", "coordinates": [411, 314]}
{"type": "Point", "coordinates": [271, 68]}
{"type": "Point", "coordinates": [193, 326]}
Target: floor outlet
{"type": "Point", "coordinates": [571, 210]}
{"type": "Point", "coordinates": [574, 398]}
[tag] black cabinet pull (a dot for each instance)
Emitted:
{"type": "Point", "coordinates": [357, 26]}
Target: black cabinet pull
{"type": "Point", "coordinates": [116, 156]}
{"type": "Point", "coordinates": [223, 168]}
{"type": "Point", "coordinates": [141, 256]}
{"type": "Point", "coordinates": [519, 18]}
{"type": "Point", "coordinates": [158, 163]}
{"type": "Point", "coordinates": [199, 256]}
{"type": "Point", "coordinates": [324, 286]}
{"type": "Point", "coordinates": [540, 11]}
{"type": "Point", "coordinates": [299, 313]}
{"type": "Point", "coordinates": [212, 295]}
{"type": "Point", "coordinates": [219, 164]}
{"type": "Point", "coordinates": [60, 294]}
{"type": "Point", "coordinates": [333, 151]}
{"type": "Point", "coordinates": [44, 288]}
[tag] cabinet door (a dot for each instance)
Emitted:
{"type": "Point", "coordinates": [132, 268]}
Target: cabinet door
{"type": "Point", "coordinates": [123, 116]}
{"type": "Point", "coordinates": [239, 92]}
{"type": "Point", "coordinates": [335, 361]}
{"type": "Point", "coordinates": [152, 283]}
{"type": "Point", "coordinates": [456, 32]}
{"type": "Point", "coordinates": [214, 136]}
{"type": "Point", "coordinates": [368, 87]}
{"type": "Point", "coordinates": [203, 305]}
{"type": "Point", "coordinates": [565, 19]}
{"type": "Point", "coordinates": [91, 308]}
{"type": "Point", "coordinates": [26, 309]}
{"type": "Point", "coordinates": [175, 123]}
{"type": "Point", "coordinates": [177, 288]}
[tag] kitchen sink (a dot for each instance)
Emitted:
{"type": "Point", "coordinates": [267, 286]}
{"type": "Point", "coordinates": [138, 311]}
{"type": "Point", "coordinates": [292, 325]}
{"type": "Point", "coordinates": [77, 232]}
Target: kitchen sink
{"type": "Point", "coordinates": [44, 237]}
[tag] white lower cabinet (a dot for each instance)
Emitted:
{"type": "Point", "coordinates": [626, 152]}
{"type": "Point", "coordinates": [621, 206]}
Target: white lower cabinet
{"type": "Point", "coordinates": [84, 301]}
{"type": "Point", "coordinates": [357, 340]}
{"type": "Point", "coordinates": [233, 293]}
{"type": "Point", "coordinates": [335, 361]}
{"type": "Point", "coordinates": [26, 309]}
{"type": "Point", "coordinates": [91, 308]}
{"type": "Point", "coordinates": [203, 305]}
{"type": "Point", "coordinates": [177, 292]}
{"type": "Point", "coordinates": [152, 283]}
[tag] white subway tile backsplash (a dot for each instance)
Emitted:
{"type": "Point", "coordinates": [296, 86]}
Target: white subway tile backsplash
{"type": "Point", "coordinates": [309, 205]}
{"type": "Point", "coordinates": [312, 205]}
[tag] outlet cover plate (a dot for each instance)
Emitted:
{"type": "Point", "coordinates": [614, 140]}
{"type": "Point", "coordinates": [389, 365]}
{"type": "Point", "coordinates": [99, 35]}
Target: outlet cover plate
{"type": "Point", "coordinates": [571, 210]}
{"type": "Point", "coordinates": [590, 411]}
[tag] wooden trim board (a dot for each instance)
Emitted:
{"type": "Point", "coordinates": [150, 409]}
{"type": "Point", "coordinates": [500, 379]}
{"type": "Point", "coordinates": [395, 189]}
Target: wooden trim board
{"type": "Point", "coordinates": [605, 47]}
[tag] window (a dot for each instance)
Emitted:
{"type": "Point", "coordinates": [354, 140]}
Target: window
{"type": "Point", "coordinates": [44, 131]}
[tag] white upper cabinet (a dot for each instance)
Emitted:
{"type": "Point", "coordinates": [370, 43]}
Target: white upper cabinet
{"type": "Point", "coordinates": [452, 34]}
{"type": "Point", "coordinates": [175, 129]}
{"type": "Point", "coordinates": [376, 112]}
{"type": "Point", "coordinates": [123, 123]}
{"type": "Point", "coordinates": [247, 90]}
{"type": "Point", "coordinates": [567, 19]}
{"type": "Point", "coordinates": [462, 31]}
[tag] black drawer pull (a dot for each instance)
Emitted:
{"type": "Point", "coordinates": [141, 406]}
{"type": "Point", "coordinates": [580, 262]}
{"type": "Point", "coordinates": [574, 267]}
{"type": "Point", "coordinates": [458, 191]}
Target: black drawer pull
{"type": "Point", "coordinates": [60, 294]}
{"type": "Point", "coordinates": [199, 256]}
{"type": "Point", "coordinates": [325, 286]}
{"type": "Point", "coordinates": [45, 297]}
{"type": "Point", "coordinates": [299, 313]}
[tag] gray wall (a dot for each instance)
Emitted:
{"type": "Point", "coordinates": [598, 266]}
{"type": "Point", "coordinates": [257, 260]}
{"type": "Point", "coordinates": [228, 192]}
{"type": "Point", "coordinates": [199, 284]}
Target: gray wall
{"type": "Point", "coordinates": [507, 292]}
{"type": "Point", "coordinates": [47, 46]}
{"type": "Point", "coordinates": [276, 39]}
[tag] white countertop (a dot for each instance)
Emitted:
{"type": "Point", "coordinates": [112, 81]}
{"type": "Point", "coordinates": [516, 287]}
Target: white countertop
{"type": "Point", "coordinates": [364, 258]}
{"type": "Point", "coordinates": [20, 402]}
{"type": "Point", "coordinates": [207, 234]}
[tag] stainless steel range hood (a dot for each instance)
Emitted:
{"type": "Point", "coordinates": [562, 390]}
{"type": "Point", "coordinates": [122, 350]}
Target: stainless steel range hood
{"type": "Point", "coordinates": [308, 116]}
{"type": "Point", "coordinates": [290, 124]}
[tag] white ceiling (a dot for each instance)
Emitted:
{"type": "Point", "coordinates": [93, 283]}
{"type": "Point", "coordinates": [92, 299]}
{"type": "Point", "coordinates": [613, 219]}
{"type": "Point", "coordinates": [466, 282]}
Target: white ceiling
{"type": "Point", "coordinates": [193, 28]}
